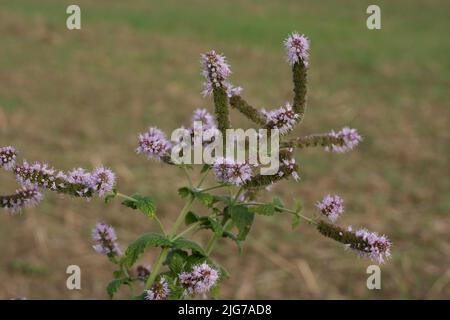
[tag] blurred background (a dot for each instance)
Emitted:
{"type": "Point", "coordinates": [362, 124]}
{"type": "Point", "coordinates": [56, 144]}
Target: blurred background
{"type": "Point", "coordinates": [79, 98]}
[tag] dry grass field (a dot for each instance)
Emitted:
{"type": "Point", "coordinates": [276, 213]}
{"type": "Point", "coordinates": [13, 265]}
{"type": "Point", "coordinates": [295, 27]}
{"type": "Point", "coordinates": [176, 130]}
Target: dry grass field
{"type": "Point", "coordinates": [79, 98]}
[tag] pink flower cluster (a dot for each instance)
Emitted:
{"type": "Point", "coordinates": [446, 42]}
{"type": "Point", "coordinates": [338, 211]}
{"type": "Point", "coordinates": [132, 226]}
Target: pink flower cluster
{"type": "Point", "coordinates": [105, 238]}
{"type": "Point", "coordinates": [28, 195]}
{"type": "Point", "coordinates": [159, 291]}
{"type": "Point", "coordinates": [216, 72]}
{"type": "Point", "coordinates": [331, 206]}
{"type": "Point", "coordinates": [153, 144]}
{"type": "Point", "coordinates": [347, 138]}
{"type": "Point", "coordinates": [200, 280]}
{"type": "Point", "coordinates": [7, 157]}
{"type": "Point", "coordinates": [233, 172]}
{"type": "Point", "coordinates": [297, 47]}
{"type": "Point", "coordinates": [282, 119]}
{"type": "Point", "coordinates": [379, 247]}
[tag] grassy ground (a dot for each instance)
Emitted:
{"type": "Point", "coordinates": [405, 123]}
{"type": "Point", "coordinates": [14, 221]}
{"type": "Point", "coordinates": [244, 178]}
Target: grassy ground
{"type": "Point", "coordinates": [78, 98]}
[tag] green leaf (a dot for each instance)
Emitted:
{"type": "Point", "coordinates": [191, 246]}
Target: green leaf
{"type": "Point", "coordinates": [243, 219]}
{"type": "Point", "coordinates": [144, 204]}
{"type": "Point", "coordinates": [184, 192]}
{"type": "Point", "coordinates": [137, 248]}
{"type": "Point", "coordinates": [216, 226]}
{"type": "Point", "coordinates": [224, 199]}
{"type": "Point", "coordinates": [114, 285]}
{"type": "Point", "coordinates": [205, 198]}
{"type": "Point", "coordinates": [191, 218]}
{"type": "Point", "coordinates": [266, 209]}
{"type": "Point", "coordinates": [278, 203]}
{"type": "Point", "coordinates": [139, 297]}
{"type": "Point", "coordinates": [295, 221]}
{"type": "Point", "coordinates": [205, 168]}
{"type": "Point", "coordinates": [182, 243]}
{"type": "Point", "coordinates": [298, 206]}
{"type": "Point", "coordinates": [177, 261]}
{"type": "Point", "coordinates": [111, 196]}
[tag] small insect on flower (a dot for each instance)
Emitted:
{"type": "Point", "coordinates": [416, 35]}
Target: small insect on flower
{"type": "Point", "coordinates": [347, 139]}
{"type": "Point", "coordinates": [105, 238]}
{"type": "Point", "coordinates": [331, 206]}
{"type": "Point", "coordinates": [297, 47]}
{"type": "Point", "coordinates": [8, 158]}
{"type": "Point", "coordinates": [233, 172]}
{"type": "Point", "coordinates": [159, 291]}
{"type": "Point", "coordinates": [28, 195]}
{"type": "Point", "coordinates": [103, 180]}
{"type": "Point", "coordinates": [200, 280]}
{"type": "Point", "coordinates": [153, 144]}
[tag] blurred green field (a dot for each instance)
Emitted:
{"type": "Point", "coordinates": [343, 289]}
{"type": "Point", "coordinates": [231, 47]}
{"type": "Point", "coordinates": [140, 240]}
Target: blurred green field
{"type": "Point", "coordinates": [79, 98]}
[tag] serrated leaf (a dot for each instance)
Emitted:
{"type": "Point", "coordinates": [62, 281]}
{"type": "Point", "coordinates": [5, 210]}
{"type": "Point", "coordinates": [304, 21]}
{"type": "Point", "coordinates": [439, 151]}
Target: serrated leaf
{"type": "Point", "coordinates": [177, 261]}
{"type": "Point", "coordinates": [224, 199]}
{"type": "Point", "coordinates": [298, 206]}
{"type": "Point", "coordinates": [114, 285]}
{"type": "Point", "coordinates": [243, 220]}
{"type": "Point", "coordinates": [184, 192]}
{"type": "Point", "coordinates": [191, 218]}
{"type": "Point", "coordinates": [182, 243]}
{"type": "Point", "coordinates": [137, 248]}
{"type": "Point", "coordinates": [278, 203]}
{"type": "Point", "coordinates": [142, 203]}
{"type": "Point", "coordinates": [295, 221]}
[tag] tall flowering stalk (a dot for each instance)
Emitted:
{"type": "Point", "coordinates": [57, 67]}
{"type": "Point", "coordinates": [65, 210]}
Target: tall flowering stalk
{"type": "Point", "coordinates": [184, 268]}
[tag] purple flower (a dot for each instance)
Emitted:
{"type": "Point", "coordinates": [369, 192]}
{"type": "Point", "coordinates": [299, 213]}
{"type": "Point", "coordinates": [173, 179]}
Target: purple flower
{"type": "Point", "coordinates": [331, 206]}
{"type": "Point", "coordinates": [206, 118]}
{"type": "Point", "coordinates": [282, 119]}
{"type": "Point", "coordinates": [153, 144]}
{"type": "Point", "coordinates": [233, 172]}
{"type": "Point", "coordinates": [83, 178]}
{"type": "Point", "coordinates": [159, 291]}
{"type": "Point", "coordinates": [28, 195]}
{"type": "Point", "coordinates": [40, 174]}
{"type": "Point", "coordinates": [7, 158]}
{"type": "Point", "coordinates": [297, 47]}
{"type": "Point", "coordinates": [200, 280]}
{"type": "Point", "coordinates": [105, 238]}
{"type": "Point", "coordinates": [103, 180]}
{"type": "Point", "coordinates": [216, 72]}
{"type": "Point", "coordinates": [346, 140]}
{"type": "Point", "coordinates": [378, 247]}
{"type": "Point", "coordinates": [289, 167]}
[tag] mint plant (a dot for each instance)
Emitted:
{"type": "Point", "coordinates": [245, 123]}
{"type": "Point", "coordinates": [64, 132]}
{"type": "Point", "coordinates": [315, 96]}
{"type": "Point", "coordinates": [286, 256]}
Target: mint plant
{"type": "Point", "coordinates": [184, 268]}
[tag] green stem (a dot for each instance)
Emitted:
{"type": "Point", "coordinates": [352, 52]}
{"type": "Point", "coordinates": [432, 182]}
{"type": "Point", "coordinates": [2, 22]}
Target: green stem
{"type": "Point", "coordinates": [187, 230]}
{"type": "Point", "coordinates": [282, 209]}
{"type": "Point", "coordinates": [212, 242]}
{"type": "Point", "coordinates": [204, 177]}
{"type": "Point", "coordinates": [156, 267]}
{"type": "Point", "coordinates": [188, 177]}
{"type": "Point", "coordinates": [165, 251]}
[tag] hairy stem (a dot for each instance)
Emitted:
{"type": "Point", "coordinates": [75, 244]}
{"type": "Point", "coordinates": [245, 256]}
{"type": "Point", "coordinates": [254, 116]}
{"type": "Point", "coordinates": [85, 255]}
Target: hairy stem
{"type": "Point", "coordinates": [299, 73]}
